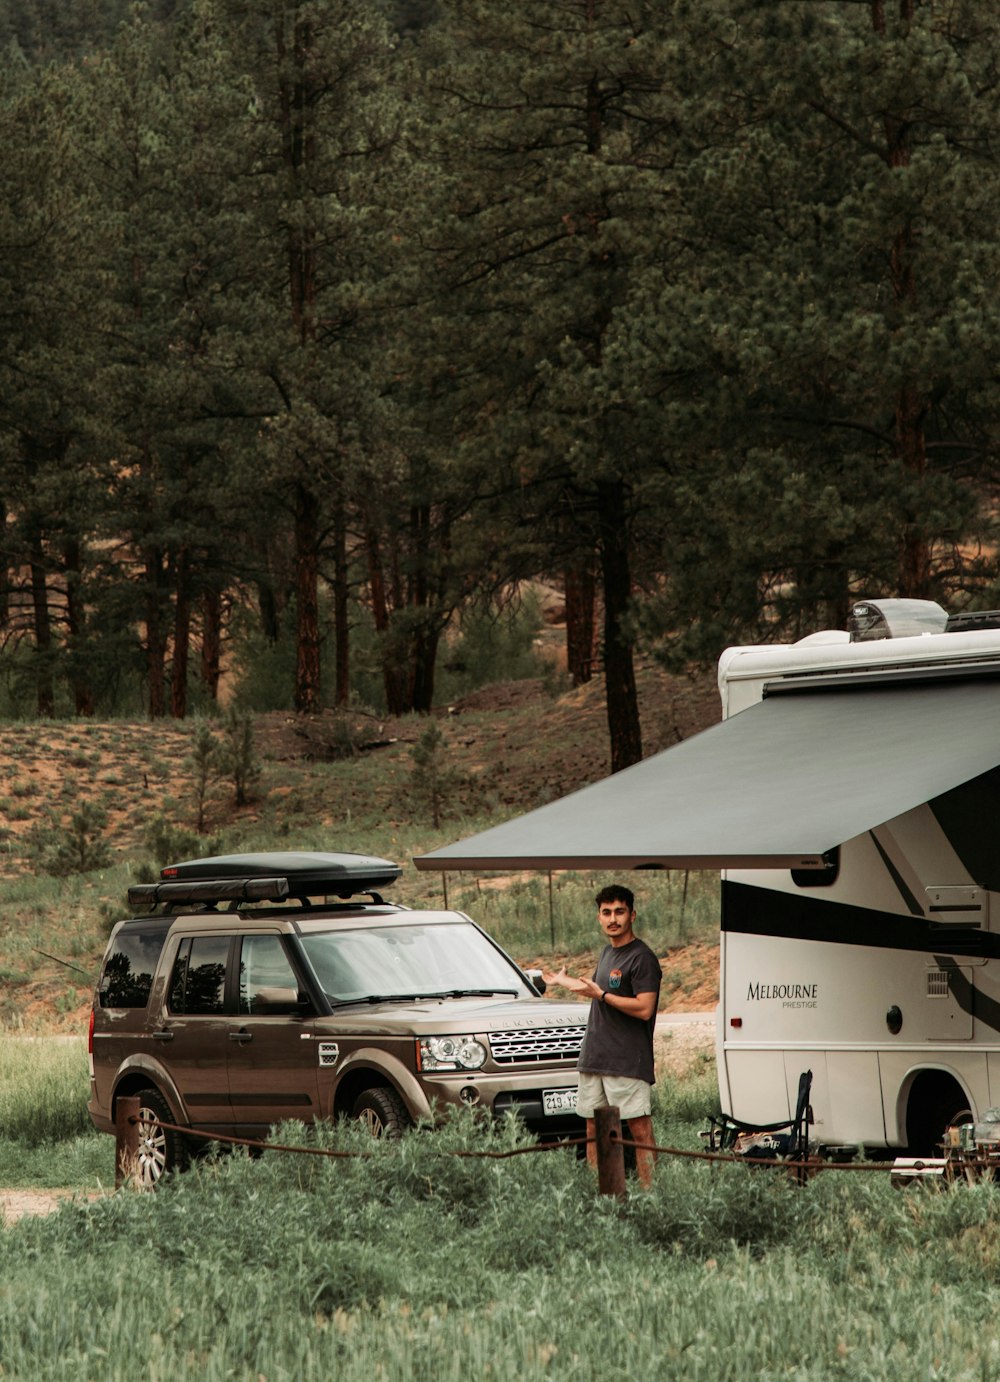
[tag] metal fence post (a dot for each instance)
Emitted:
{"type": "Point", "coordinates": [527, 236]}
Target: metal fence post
{"type": "Point", "coordinates": [126, 1139]}
{"type": "Point", "coordinates": [610, 1152]}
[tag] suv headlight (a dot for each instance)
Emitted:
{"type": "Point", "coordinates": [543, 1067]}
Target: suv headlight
{"type": "Point", "coordinates": [450, 1053]}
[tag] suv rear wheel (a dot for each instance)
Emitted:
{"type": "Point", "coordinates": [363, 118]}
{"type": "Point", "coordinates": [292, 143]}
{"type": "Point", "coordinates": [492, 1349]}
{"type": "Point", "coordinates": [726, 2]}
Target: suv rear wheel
{"type": "Point", "coordinates": [161, 1150]}
{"type": "Point", "coordinates": [382, 1111]}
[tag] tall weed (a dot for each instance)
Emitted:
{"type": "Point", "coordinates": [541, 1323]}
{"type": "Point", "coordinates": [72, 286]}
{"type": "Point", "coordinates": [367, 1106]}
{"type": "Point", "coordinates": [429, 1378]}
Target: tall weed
{"type": "Point", "coordinates": [43, 1090]}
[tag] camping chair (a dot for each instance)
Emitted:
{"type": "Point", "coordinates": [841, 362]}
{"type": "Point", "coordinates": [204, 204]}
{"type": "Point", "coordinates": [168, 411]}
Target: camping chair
{"type": "Point", "coordinates": [765, 1141]}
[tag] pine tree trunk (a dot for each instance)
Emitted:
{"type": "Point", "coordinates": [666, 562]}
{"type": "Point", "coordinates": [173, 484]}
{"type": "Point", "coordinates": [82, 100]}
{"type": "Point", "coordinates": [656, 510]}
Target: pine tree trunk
{"type": "Point", "coordinates": [308, 698]}
{"type": "Point", "coordinates": [619, 669]}
{"type": "Point", "coordinates": [393, 674]}
{"type": "Point", "coordinates": [267, 604]}
{"type": "Point", "coordinates": [426, 637]}
{"type": "Point", "coordinates": [156, 641]}
{"type": "Point", "coordinates": [423, 660]}
{"type": "Point", "coordinates": [5, 570]}
{"type": "Point", "coordinates": [341, 628]}
{"type": "Point", "coordinates": [579, 584]}
{"type": "Point", "coordinates": [44, 690]}
{"type": "Point", "coordinates": [182, 640]}
{"type": "Point", "coordinates": [211, 641]}
{"type": "Point", "coordinates": [76, 618]}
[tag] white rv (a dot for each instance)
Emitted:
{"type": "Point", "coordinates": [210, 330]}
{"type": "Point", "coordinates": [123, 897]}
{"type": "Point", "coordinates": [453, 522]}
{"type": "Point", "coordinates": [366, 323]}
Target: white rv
{"type": "Point", "coordinates": [879, 972]}
{"type": "Point", "coordinates": [851, 798]}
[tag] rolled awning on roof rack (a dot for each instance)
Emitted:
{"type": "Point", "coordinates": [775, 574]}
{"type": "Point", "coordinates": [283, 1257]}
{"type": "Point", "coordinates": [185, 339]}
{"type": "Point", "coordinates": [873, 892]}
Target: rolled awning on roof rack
{"type": "Point", "coordinates": [776, 786]}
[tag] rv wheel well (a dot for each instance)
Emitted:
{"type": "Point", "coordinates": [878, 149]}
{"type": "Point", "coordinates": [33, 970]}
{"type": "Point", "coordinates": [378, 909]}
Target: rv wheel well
{"type": "Point", "coordinates": [935, 1101]}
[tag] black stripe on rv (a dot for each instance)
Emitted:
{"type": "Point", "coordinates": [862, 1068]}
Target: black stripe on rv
{"type": "Point", "coordinates": [968, 816]}
{"type": "Point", "coordinates": [971, 1000]}
{"type": "Point", "coordinates": [765, 912]}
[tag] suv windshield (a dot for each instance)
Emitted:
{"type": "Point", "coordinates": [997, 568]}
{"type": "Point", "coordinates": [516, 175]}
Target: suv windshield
{"type": "Point", "coordinates": [409, 962]}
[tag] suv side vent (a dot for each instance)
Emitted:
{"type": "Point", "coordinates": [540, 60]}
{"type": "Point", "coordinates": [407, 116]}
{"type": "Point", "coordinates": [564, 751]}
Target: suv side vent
{"type": "Point", "coordinates": [536, 1044]}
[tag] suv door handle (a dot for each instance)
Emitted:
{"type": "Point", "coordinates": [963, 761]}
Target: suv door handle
{"type": "Point", "coordinates": [242, 1036]}
{"type": "Point", "coordinates": [165, 1035]}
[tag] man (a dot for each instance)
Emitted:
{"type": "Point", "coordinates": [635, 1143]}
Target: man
{"type": "Point", "coordinates": [616, 1058]}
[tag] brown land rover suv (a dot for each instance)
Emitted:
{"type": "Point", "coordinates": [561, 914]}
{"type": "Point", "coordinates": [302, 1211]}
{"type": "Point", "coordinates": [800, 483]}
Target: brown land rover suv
{"type": "Point", "coordinates": [262, 987]}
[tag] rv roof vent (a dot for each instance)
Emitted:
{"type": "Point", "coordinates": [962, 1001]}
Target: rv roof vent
{"type": "Point", "coordinates": [969, 621]}
{"type": "Point", "coordinates": [871, 619]}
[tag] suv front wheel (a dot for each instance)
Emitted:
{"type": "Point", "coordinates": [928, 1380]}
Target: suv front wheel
{"type": "Point", "coordinates": [382, 1111]}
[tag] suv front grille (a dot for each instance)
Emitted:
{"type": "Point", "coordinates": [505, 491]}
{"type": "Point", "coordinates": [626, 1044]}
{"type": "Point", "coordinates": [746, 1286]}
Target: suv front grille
{"type": "Point", "coordinates": [536, 1044]}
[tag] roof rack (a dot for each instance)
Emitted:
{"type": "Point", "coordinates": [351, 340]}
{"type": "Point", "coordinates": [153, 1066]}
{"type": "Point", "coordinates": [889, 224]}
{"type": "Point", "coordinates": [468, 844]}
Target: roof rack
{"type": "Point", "coordinates": [268, 877]}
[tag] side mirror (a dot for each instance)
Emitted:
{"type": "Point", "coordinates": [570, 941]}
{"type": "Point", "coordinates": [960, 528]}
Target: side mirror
{"type": "Point", "coordinates": [276, 1001]}
{"type": "Point", "coordinates": [534, 977]}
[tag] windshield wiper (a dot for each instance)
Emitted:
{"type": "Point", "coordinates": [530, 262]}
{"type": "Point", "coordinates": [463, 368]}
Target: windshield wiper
{"type": "Point", "coordinates": [409, 997]}
{"type": "Point", "coordinates": [383, 998]}
{"type": "Point", "coordinates": [478, 993]}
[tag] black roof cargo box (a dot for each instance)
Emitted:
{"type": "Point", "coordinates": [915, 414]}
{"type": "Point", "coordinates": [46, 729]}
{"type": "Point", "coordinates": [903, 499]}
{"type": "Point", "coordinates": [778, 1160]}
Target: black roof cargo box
{"type": "Point", "coordinates": [270, 876]}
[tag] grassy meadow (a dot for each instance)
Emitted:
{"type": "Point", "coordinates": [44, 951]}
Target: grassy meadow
{"type": "Point", "coordinates": [410, 1263]}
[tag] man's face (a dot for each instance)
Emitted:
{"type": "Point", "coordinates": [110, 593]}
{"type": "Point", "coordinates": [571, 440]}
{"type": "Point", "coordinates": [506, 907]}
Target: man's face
{"type": "Point", "coordinates": [616, 921]}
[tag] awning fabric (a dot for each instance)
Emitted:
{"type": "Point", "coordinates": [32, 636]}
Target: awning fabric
{"type": "Point", "coordinates": [775, 786]}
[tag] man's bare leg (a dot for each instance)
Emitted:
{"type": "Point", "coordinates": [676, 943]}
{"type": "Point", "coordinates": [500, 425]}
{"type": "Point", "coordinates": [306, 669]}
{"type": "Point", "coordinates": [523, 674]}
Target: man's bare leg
{"type": "Point", "coordinates": [641, 1130]}
{"type": "Point", "coordinates": [592, 1144]}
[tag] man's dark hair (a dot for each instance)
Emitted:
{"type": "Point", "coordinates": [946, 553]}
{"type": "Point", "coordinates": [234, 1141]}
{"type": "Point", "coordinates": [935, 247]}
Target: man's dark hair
{"type": "Point", "coordinates": [615, 892]}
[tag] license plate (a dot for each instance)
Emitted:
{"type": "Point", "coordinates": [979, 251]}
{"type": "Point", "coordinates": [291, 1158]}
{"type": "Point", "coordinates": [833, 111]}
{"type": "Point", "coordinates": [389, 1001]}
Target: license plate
{"type": "Point", "coordinates": [558, 1101]}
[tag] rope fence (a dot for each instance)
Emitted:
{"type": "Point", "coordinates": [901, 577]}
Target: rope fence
{"type": "Point", "coordinates": [609, 1142]}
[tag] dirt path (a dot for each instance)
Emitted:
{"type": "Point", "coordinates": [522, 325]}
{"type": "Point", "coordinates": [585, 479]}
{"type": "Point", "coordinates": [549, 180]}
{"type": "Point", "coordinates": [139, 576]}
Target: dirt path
{"type": "Point", "coordinates": [15, 1204]}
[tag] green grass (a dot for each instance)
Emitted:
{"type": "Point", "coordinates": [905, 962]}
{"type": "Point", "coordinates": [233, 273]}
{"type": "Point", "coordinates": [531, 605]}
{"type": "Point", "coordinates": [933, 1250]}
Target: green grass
{"type": "Point", "coordinates": [46, 1137]}
{"type": "Point", "coordinates": [525, 917]}
{"type": "Point", "coordinates": [415, 1264]}
{"type": "Point", "coordinates": [43, 1089]}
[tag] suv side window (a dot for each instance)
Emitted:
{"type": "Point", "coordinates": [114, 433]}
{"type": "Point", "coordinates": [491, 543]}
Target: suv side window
{"type": "Point", "coordinates": [198, 983]}
{"type": "Point", "coordinates": [268, 983]}
{"type": "Point", "coordinates": [130, 965]}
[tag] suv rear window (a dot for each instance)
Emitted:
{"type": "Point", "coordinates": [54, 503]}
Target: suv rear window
{"type": "Point", "coordinates": [198, 984]}
{"type": "Point", "coordinates": [130, 965]}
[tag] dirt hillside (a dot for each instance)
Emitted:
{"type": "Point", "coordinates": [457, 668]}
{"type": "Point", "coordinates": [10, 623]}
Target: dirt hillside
{"type": "Point", "coordinates": [512, 745]}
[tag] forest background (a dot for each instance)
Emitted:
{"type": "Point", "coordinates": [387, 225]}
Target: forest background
{"type": "Point", "coordinates": [326, 325]}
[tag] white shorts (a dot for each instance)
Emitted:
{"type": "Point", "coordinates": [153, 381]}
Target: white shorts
{"type": "Point", "coordinates": [632, 1098]}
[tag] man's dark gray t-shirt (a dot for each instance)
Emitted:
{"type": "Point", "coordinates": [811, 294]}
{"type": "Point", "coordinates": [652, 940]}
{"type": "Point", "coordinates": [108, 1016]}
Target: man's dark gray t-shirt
{"type": "Point", "coordinates": [615, 1044]}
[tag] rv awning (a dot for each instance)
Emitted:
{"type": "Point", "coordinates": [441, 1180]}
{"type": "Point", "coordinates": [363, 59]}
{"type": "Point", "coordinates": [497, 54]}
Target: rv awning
{"type": "Point", "coordinates": [775, 786]}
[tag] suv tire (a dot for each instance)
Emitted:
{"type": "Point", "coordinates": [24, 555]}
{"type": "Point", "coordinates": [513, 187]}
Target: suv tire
{"type": "Point", "coordinates": [382, 1111]}
{"type": "Point", "coordinates": [161, 1150]}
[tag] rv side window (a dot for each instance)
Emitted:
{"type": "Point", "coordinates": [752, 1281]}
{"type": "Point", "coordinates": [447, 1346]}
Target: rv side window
{"type": "Point", "coordinates": [130, 966]}
{"type": "Point", "coordinates": [819, 878]}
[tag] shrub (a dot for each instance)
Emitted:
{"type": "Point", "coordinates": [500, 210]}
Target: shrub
{"type": "Point", "coordinates": [433, 783]}
{"type": "Point", "coordinates": [168, 842]}
{"type": "Point", "coordinates": [83, 848]}
{"type": "Point", "coordinates": [238, 756]}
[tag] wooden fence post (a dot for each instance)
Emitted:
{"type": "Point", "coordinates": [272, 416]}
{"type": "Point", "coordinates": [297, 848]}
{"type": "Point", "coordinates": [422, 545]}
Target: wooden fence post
{"type": "Point", "coordinates": [126, 1139]}
{"type": "Point", "coordinates": [610, 1152]}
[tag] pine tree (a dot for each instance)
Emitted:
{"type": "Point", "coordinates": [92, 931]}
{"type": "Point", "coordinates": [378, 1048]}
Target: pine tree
{"type": "Point", "coordinates": [835, 373]}
{"type": "Point", "coordinates": [556, 128]}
